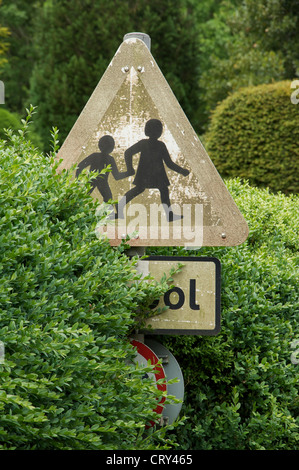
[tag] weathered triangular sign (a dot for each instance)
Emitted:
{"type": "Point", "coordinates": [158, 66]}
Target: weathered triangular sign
{"type": "Point", "coordinates": [167, 188]}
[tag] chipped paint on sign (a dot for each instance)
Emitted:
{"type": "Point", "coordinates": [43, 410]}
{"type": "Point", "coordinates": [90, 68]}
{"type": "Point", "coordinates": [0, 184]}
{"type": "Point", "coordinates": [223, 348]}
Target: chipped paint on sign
{"type": "Point", "coordinates": [125, 121]}
{"type": "Point", "coordinates": [197, 206]}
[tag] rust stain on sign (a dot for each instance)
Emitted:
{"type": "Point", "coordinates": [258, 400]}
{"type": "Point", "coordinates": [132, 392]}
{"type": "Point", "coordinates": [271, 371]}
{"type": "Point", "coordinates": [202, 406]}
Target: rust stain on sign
{"type": "Point", "coordinates": [167, 188]}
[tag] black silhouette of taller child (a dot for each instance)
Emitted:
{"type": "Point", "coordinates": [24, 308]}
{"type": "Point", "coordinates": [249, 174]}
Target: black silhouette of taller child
{"type": "Point", "coordinates": [98, 161]}
{"type": "Point", "coordinates": [151, 171]}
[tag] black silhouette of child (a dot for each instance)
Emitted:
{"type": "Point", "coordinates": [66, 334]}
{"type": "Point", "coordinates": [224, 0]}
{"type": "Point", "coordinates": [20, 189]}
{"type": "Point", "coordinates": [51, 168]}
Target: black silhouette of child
{"type": "Point", "coordinates": [151, 171]}
{"type": "Point", "coordinates": [97, 162]}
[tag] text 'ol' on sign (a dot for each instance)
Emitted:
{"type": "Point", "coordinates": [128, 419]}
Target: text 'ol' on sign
{"type": "Point", "coordinates": [193, 300]}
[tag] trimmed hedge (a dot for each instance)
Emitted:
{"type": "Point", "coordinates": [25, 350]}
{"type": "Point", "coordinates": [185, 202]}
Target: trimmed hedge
{"type": "Point", "coordinates": [242, 385]}
{"type": "Point", "coordinates": [68, 304]}
{"type": "Point", "coordinates": [8, 121]}
{"type": "Point", "coordinates": [254, 134]}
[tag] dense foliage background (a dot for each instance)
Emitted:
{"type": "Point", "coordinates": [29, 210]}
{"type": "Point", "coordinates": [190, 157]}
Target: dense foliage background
{"type": "Point", "coordinates": [242, 385]}
{"type": "Point", "coordinates": [68, 302]}
{"type": "Point", "coordinates": [56, 50]}
{"type": "Point", "coordinates": [254, 134]}
{"type": "Point", "coordinates": [68, 305]}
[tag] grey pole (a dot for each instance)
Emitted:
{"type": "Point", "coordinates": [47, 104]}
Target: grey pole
{"type": "Point", "coordinates": [138, 250]}
{"type": "Point", "coordinates": [143, 36]}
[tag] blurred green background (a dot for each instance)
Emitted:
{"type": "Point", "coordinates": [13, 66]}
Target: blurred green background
{"type": "Point", "coordinates": [54, 52]}
{"type": "Point", "coordinates": [231, 65]}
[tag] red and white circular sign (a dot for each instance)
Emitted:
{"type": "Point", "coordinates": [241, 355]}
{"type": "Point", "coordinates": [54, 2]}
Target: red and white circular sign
{"type": "Point", "coordinates": [143, 354]}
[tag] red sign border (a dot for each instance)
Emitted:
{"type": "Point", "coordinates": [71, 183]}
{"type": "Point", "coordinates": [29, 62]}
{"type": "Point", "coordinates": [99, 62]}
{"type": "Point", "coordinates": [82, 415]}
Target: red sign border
{"type": "Point", "coordinates": [159, 373]}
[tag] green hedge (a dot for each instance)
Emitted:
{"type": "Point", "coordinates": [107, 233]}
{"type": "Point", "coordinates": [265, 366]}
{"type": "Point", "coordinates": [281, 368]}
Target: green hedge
{"type": "Point", "coordinates": [242, 385]}
{"type": "Point", "coordinates": [68, 303]}
{"type": "Point", "coordinates": [254, 134]}
{"type": "Point", "coordinates": [13, 122]}
{"type": "Point", "coordinates": [8, 121]}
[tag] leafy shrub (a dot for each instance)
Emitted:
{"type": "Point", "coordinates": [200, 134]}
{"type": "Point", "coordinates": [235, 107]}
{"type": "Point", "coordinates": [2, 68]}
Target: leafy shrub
{"type": "Point", "coordinates": [241, 386]}
{"type": "Point", "coordinates": [68, 303]}
{"type": "Point", "coordinates": [13, 122]}
{"type": "Point", "coordinates": [8, 121]}
{"type": "Point", "coordinates": [254, 134]}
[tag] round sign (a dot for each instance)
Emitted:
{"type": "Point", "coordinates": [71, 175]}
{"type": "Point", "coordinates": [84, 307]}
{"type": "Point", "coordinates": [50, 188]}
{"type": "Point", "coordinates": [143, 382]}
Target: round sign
{"type": "Point", "coordinates": [172, 371]}
{"type": "Point", "coordinates": [143, 355]}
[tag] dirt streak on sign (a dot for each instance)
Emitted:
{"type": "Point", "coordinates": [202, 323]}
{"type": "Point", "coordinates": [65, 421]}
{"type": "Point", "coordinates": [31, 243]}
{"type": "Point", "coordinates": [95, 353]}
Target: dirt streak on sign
{"type": "Point", "coordinates": [166, 187]}
{"type": "Point", "coordinates": [194, 300]}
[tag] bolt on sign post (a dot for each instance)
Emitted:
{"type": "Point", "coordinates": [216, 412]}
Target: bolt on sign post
{"type": "Point", "coordinates": [166, 187]}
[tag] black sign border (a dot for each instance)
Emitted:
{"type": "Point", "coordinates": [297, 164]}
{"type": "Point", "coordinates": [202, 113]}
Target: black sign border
{"type": "Point", "coordinates": [181, 259]}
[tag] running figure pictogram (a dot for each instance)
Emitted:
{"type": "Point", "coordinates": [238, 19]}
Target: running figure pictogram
{"type": "Point", "coordinates": [98, 161]}
{"type": "Point", "coordinates": [151, 171]}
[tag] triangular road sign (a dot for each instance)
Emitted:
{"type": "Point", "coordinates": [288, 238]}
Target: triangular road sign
{"type": "Point", "coordinates": [167, 188]}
